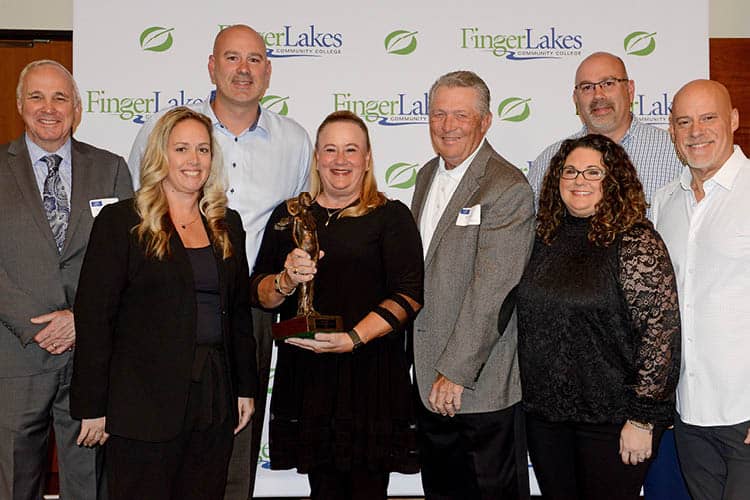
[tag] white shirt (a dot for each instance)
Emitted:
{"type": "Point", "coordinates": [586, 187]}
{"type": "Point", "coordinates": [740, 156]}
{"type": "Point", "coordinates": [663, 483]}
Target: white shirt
{"type": "Point", "coordinates": [444, 184]}
{"type": "Point", "coordinates": [265, 165]}
{"type": "Point", "coordinates": [709, 243]}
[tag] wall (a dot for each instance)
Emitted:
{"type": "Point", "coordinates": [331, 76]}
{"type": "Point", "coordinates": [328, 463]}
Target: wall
{"type": "Point", "coordinates": [728, 18]}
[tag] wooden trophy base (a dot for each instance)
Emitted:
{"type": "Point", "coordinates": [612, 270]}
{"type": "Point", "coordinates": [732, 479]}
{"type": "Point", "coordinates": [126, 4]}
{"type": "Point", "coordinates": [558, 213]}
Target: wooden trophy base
{"type": "Point", "coordinates": [306, 326]}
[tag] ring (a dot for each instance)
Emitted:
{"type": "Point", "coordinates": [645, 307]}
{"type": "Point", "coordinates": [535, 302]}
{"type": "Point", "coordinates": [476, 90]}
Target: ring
{"type": "Point", "coordinates": [295, 271]}
{"type": "Point", "coordinates": [54, 346]}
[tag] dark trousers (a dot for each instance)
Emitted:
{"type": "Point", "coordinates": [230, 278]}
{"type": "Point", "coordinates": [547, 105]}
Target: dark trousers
{"type": "Point", "coordinates": [576, 461]}
{"type": "Point", "coordinates": [358, 484]}
{"type": "Point", "coordinates": [715, 460]}
{"type": "Point", "coordinates": [193, 465]}
{"type": "Point", "coordinates": [29, 406]}
{"type": "Point", "coordinates": [473, 456]}
{"type": "Point", "coordinates": [244, 461]}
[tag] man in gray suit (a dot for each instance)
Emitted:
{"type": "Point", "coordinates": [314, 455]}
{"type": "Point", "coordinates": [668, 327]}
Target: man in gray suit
{"type": "Point", "coordinates": [51, 187]}
{"type": "Point", "coordinates": [475, 213]}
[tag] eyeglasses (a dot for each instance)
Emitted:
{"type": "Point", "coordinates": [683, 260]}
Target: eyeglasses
{"type": "Point", "coordinates": [607, 85]}
{"type": "Point", "coordinates": [590, 174]}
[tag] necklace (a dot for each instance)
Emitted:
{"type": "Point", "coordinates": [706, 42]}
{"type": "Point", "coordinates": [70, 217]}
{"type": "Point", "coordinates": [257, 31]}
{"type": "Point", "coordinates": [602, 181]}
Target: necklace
{"type": "Point", "coordinates": [185, 225]}
{"type": "Point", "coordinates": [333, 212]}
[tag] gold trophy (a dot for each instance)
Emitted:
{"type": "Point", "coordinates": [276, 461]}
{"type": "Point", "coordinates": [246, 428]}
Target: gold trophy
{"type": "Point", "coordinates": [307, 322]}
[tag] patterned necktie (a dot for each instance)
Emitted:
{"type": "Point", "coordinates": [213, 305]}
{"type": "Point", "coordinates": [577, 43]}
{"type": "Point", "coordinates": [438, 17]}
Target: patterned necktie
{"type": "Point", "coordinates": [56, 204]}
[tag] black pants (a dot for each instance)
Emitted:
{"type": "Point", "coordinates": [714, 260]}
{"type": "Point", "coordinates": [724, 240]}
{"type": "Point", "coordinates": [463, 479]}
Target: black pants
{"type": "Point", "coordinates": [473, 456]}
{"type": "Point", "coordinates": [193, 465]}
{"type": "Point", "coordinates": [714, 459]}
{"type": "Point", "coordinates": [574, 461]}
{"type": "Point", "coordinates": [358, 484]}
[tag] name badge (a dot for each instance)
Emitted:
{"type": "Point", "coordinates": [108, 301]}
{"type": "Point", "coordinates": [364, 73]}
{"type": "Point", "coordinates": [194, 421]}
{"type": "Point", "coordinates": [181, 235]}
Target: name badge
{"type": "Point", "coordinates": [469, 216]}
{"type": "Point", "coordinates": [97, 205]}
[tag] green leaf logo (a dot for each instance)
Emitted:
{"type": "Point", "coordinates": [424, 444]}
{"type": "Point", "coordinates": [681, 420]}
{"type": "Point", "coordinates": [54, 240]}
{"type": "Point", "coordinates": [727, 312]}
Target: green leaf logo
{"type": "Point", "coordinates": [401, 42]}
{"type": "Point", "coordinates": [401, 175]}
{"type": "Point", "coordinates": [640, 43]}
{"type": "Point", "coordinates": [157, 39]}
{"type": "Point", "coordinates": [514, 109]}
{"type": "Point", "coordinates": [276, 103]}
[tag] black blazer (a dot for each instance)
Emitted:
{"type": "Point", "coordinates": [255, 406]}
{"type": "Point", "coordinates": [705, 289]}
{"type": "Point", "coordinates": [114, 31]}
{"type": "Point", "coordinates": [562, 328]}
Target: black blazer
{"type": "Point", "coordinates": [136, 325]}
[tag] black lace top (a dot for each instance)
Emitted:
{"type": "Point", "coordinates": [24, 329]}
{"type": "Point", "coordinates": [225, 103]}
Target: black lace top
{"type": "Point", "coordinates": [599, 328]}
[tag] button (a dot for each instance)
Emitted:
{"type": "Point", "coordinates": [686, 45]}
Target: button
{"type": "Point", "coordinates": [234, 165]}
{"type": "Point", "coordinates": [235, 139]}
{"type": "Point", "coordinates": [231, 190]}
{"type": "Point", "coordinates": [63, 265]}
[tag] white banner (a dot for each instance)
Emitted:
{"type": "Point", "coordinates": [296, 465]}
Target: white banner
{"type": "Point", "coordinates": [379, 60]}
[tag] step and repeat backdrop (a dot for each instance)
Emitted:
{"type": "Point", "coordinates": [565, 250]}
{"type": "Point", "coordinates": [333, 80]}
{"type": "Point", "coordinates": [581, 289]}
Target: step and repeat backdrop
{"type": "Point", "coordinates": [379, 60]}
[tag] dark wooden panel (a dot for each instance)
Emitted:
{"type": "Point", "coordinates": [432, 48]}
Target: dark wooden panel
{"type": "Point", "coordinates": [730, 64]}
{"type": "Point", "coordinates": [17, 49]}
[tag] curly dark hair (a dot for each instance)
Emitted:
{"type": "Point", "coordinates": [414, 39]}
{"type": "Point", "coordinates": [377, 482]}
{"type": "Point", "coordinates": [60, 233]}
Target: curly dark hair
{"type": "Point", "coordinates": [623, 204]}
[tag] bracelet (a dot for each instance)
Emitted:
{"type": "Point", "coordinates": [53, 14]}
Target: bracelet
{"type": "Point", "coordinates": [277, 286]}
{"type": "Point", "coordinates": [356, 339]}
{"type": "Point", "coordinates": [641, 425]}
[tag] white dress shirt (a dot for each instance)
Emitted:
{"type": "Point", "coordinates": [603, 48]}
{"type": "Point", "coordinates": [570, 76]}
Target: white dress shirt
{"type": "Point", "coordinates": [443, 185]}
{"type": "Point", "coordinates": [709, 243]}
{"type": "Point", "coordinates": [265, 165]}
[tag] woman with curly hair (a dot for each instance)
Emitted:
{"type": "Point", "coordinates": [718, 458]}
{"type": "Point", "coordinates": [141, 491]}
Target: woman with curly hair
{"type": "Point", "coordinates": [165, 356]}
{"type": "Point", "coordinates": [598, 326]}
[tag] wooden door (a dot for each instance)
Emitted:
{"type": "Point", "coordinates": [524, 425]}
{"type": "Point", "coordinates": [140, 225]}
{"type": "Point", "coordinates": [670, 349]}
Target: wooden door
{"type": "Point", "coordinates": [17, 49]}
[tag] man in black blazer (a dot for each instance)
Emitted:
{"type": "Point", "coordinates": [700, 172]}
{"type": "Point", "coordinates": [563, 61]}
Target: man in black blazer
{"type": "Point", "coordinates": [51, 187]}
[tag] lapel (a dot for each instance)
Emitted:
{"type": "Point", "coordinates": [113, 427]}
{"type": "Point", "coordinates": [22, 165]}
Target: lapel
{"type": "Point", "coordinates": [420, 191]}
{"type": "Point", "coordinates": [466, 188]}
{"type": "Point", "coordinates": [221, 266]}
{"type": "Point", "coordinates": [82, 187]}
{"type": "Point", "coordinates": [20, 167]}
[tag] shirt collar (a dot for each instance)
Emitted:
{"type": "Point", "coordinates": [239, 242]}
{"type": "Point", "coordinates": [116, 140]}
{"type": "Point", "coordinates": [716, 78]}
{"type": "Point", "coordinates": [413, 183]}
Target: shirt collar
{"type": "Point", "coordinates": [635, 124]}
{"type": "Point", "coordinates": [36, 152]}
{"type": "Point", "coordinates": [458, 171]}
{"type": "Point", "coordinates": [725, 176]}
{"type": "Point", "coordinates": [261, 121]}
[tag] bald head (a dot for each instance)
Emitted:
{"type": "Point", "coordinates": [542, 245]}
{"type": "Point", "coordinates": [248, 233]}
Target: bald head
{"type": "Point", "coordinates": [240, 68]}
{"type": "Point", "coordinates": [599, 61]}
{"type": "Point", "coordinates": [236, 30]}
{"type": "Point", "coordinates": [702, 124]}
{"type": "Point", "coordinates": [703, 89]}
{"type": "Point", "coordinates": [604, 107]}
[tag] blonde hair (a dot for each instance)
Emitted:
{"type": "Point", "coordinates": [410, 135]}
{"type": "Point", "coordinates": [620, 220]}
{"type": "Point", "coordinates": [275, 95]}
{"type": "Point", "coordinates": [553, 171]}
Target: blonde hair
{"type": "Point", "coordinates": [369, 198]}
{"type": "Point", "coordinates": [156, 226]}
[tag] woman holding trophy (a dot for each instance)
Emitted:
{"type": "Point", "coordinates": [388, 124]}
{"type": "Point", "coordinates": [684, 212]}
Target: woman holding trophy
{"type": "Point", "coordinates": [341, 409]}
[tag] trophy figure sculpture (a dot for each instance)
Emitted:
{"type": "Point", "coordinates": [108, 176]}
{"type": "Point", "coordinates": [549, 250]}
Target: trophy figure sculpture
{"type": "Point", "coordinates": [308, 322]}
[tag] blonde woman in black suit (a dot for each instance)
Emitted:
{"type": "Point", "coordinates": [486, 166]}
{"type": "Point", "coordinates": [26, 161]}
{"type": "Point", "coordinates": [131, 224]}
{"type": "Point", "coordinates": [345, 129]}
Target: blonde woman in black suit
{"type": "Point", "coordinates": [165, 366]}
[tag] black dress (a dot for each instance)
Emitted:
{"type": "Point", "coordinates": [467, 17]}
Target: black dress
{"type": "Point", "coordinates": [599, 328]}
{"type": "Point", "coordinates": [350, 410]}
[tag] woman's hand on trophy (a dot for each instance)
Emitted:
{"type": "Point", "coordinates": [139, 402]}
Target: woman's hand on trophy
{"type": "Point", "coordinates": [300, 267]}
{"type": "Point", "coordinates": [324, 342]}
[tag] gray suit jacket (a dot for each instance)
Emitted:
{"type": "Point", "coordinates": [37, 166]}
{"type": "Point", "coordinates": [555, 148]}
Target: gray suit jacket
{"type": "Point", "coordinates": [469, 271]}
{"type": "Point", "coordinates": [34, 279]}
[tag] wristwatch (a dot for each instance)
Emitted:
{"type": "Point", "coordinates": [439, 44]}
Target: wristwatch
{"type": "Point", "coordinates": [356, 339]}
